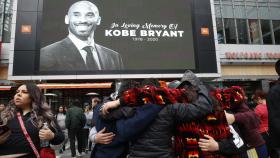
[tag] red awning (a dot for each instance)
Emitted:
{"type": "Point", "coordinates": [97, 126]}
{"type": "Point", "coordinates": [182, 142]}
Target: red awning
{"type": "Point", "coordinates": [74, 85]}
{"type": "Point", "coordinates": [5, 88]}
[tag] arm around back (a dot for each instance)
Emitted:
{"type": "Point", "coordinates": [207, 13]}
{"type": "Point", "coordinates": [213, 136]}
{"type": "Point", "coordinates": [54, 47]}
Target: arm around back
{"type": "Point", "coordinates": [190, 111]}
{"type": "Point", "coordinates": [144, 115]}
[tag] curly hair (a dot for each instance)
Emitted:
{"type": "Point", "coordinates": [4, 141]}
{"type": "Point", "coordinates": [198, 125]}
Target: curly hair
{"type": "Point", "coordinates": [40, 110]}
{"type": "Point", "coordinates": [128, 84]}
{"type": "Point", "coordinates": [150, 82]}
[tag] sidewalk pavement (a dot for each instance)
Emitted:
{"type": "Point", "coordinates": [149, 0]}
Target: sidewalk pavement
{"type": "Point", "coordinates": [67, 152]}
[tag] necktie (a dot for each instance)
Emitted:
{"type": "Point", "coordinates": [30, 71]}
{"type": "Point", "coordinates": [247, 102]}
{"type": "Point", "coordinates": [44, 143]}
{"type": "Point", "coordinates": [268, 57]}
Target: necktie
{"type": "Point", "coordinates": [90, 62]}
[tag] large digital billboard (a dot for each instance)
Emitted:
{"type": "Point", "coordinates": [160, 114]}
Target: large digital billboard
{"type": "Point", "coordinates": [70, 37]}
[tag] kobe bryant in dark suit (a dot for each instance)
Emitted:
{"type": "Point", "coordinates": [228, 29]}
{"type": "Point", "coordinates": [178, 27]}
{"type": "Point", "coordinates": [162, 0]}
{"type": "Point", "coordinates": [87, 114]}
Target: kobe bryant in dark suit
{"type": "Point", "coordinates": [78, 51]}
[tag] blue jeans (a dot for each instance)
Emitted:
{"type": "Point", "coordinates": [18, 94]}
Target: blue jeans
{"type": "Point", "coordinates": [262, 151]}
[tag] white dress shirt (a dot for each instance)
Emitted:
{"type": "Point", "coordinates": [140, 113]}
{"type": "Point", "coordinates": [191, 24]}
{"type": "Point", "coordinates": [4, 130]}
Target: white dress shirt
{"type": "Point", "coordinates": [81, 44]}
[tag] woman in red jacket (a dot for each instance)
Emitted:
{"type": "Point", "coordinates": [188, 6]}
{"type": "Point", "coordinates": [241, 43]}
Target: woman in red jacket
{"type": "Point", "coordinates": [262, 113]}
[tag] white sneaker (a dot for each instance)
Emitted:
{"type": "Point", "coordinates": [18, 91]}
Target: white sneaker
{"type": "Point", "coordinates": [79, 154]}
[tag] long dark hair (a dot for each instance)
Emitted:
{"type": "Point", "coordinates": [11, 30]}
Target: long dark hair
{"type": "Point", "coordinates": [40, 110]}
{"type": "Point", "coordinates": [63, 107]}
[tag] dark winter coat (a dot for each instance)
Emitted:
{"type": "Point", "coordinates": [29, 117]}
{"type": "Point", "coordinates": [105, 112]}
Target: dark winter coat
{"type": "Point", "coordinates": [17, 142]}
{"type": "Point", "coordinates": [125, 129]}
{"type": "Point", "coordinates": [75, 118]}
{"type": "Point", "coordinates": [156, 140]}
{"type": "Point", "coordinates": [273, 106]}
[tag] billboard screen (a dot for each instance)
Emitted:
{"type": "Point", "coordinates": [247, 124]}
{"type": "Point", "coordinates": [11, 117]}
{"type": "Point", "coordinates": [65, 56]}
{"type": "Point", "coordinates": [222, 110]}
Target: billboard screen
{"type": "Point", "coordinates": [110, 37]}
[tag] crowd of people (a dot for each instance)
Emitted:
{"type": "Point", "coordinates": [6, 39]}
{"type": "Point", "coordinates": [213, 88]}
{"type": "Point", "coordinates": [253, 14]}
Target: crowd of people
{"type": "Point", "coordinates": [181, 119]}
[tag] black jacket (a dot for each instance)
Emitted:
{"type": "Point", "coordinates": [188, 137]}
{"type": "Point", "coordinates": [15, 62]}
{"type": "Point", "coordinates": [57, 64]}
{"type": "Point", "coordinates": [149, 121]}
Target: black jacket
{"type": "Point", "coordinates": [75, 118]}
{"type": "Point", "coordinates": [228, 148]}
{"type": "Point", "coordinates": [17, 143]}
{"type": "Point", "coordinates": [156, 140]}
{"type": "Point", "coordinates": [273, 106]}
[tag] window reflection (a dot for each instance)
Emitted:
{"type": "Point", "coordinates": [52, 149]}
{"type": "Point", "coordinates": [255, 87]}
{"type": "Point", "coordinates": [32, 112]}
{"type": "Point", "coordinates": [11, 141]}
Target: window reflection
{"type": "Point", "coordinates": [242, 31]}
{"type": "Point", "coordinates": [266, 32]}
{"type": "Point", "coordinates": [254, 31]}
{"type": "Point", "coordinates": [220, 32]}
{"type": "Point", "coordinates": [276, 30]}
{"type": "Point", "coordinates": [230, 31]}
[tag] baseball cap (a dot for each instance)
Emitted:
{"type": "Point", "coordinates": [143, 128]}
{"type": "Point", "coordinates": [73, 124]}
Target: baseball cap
{"type": "Point", "coordinates": [189, 78]}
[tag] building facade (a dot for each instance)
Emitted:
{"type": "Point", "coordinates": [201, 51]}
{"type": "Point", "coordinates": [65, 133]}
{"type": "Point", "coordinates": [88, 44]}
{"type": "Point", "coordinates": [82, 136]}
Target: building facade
{"type": "Point", "coordinates": [247, 34]}
{"type": "Point", "coordinates": [7, 11]}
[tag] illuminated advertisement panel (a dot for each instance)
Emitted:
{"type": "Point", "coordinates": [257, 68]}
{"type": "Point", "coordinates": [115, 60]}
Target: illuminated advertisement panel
{"type": "Point", "coordinates": [68, 37]}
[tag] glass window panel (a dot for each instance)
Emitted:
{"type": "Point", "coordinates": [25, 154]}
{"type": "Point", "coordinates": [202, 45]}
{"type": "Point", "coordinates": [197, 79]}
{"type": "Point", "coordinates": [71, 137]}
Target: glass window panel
{"type": "Point", "coordinates": [216, 1]}
{"type": "Point", "coordinates": [239, 2]}
{"type": "Point", "coordinates": [242, 31]}
{"type": "Point", "coordinates": [266, 32]}
{"type": "Point", "coordinates": [263, 10]}
{"type": "Point", "coordinates": [220, 33]}
{"type": "Point", "coordinates": [226, 2]}
{"type": "Point", "coordinates": [264, 13]}
{"type": "Point", "coordinates": [260, 1]}
{"type": "Point", "coordinates": [239, 11]}
{"type": "Point", "coordinates": [251, 2]}
{"type": "Point", "coordinates": [230, 31]}
{"type": "Point", "coordinates": [254, 31]}
{"type": "Point", "coordinates": [1, 17]}
{"type": "Point", "coordinates": [227, 11]}
{"type": "Point", "coordinates": [218, 11]}
{"type": "Point", "coordinates": [263, 3]}
{"type": "Point", "coordinates": [2, 5]}
{"type": "Point", "coordinates": [276, 30]}
{"type": "Point", "coordinates": [251, 11]}
{"type": "Point", "coordinates": [274, 13]}
{"type": "Point", "coordinates": [7, 21]}
{"type": "Point", "coordinates": [275, 1]}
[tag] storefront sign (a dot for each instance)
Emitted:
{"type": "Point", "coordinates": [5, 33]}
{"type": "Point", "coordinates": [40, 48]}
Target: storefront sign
{"type": "Point", "coordinates": [252, 55]}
